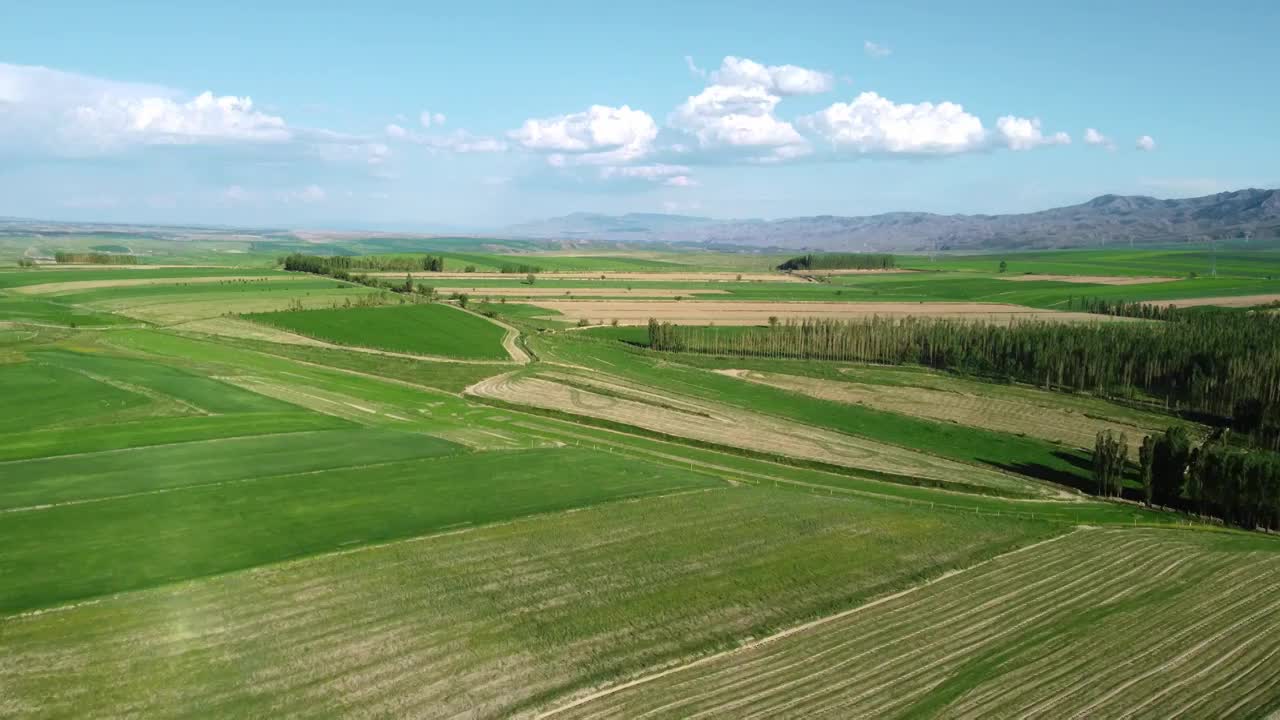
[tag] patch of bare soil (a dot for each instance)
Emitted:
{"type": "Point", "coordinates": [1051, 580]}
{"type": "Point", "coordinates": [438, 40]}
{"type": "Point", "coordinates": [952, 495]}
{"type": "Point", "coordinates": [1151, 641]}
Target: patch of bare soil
{"type": "Point", "coordinates": [1237, 301]}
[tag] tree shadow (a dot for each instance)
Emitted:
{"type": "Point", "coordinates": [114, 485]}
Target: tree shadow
{"type": "Point", "coordinates": [1081, 479]}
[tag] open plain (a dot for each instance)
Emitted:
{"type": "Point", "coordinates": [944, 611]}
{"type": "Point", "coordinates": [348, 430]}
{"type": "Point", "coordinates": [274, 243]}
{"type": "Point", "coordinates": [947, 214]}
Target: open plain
{"type": "Point", "coordinates": [240, 490]}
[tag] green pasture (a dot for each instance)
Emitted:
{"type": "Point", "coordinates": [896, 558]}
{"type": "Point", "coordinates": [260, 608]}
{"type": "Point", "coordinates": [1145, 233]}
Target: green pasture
{"type": "Point", "coordinates": [517, 614]}
{"type": "Point", "coordinates": [425, 329]}
{"type": "Point", "coordinates": [40, 311]}
{"type": "Point", "coordinates": [68, 552]}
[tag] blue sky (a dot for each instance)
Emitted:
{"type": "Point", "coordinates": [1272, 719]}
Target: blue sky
{"type": "Point", "coordinates": [425, 115]}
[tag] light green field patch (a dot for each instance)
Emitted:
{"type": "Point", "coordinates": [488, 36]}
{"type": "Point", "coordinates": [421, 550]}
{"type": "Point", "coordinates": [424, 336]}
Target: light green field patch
{"type": "Point", "coordinates": [197, 392]}
{"type": "Point", "coordinates": [51, 396]}
{"type": "Point", "coordinates": [72, 552]}
{"type": "Point", "coordinates": [426, 329]}
{"type": "Point", "coordinates": [19, 445]}
{"type": "Point", "coordinates": [118, 473]}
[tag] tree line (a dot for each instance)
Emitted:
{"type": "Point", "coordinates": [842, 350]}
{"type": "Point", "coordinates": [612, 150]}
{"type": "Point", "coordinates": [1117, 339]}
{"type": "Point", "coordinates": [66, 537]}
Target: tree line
{"type": "Point", "coordinates": [330, 264]}
{"type": "Point", "coordinates": [1238, 485]}
{"type": "Point", "coordinates": [840, 261]}
{"type": "Point", "coordinates": [1124, 308]}
{"type": "Point", "coordinates": [61, 257]}
{"type": "Point", "coordinates": [322, 265]}
{"type": "Point", "coordinates": [1226, 364]}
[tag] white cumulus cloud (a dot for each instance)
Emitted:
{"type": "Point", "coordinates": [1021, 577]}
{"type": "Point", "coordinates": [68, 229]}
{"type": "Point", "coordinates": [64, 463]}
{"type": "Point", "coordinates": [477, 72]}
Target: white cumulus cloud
{"type": "Point", "coordinates": [775, 79]}
{"type": "Point", "coordinates": [1093, 137]}
{"type": "Point", "coordinates": [1019, 133]}
{"type": "Point", "coordinates": [600, 135]}
{"type": "Point", "coordinates": [657, 172]}
{"type": "Point", "coordinates": [395, 131]}
{"type": "Point", "coordinates": [1146, 143]}
{"type": "Point", "coordinates": [874, 124]}
{"type": "Point", "coordinates": [71, 114]}
{"type": "Point", "coordinates": [875, 50]}
{"type": "Point", "coordinates": [724, 115]}
{"type": "Point", "coordinates": [428, 118]}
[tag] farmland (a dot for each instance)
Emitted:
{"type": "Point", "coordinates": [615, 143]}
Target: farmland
{"type": "Point", "coordinates": [418, 329]}
{"type": "Point", "coordinates": [239, 491]}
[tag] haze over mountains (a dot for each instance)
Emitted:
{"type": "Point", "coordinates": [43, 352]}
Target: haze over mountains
{"type": "Point", "coordinates": [1107, 219]}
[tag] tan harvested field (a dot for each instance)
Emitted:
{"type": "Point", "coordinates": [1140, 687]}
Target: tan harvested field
{"type": "Point", "coordinates": [674, 276]}
{"type": "Point", "coordinates": [617, 401]}
{"type": "Point", "coordinates": [479, 622]}
{"type": "Point", "coordinates": [175, 309]}
{"type": "Point", "coordinates": [1019, 411]}
{"type": "Point", "coordinates": [1089, 279]}
{"type": "Point", "coordinates": [1236, 301]}
{"type": "Point", "coordinates": [544, 292]}
{"type": "Point", "coordinates": [244, 329]}
{"type": "Point", "coordinates": [638, 312]}
{"type": "Point", "coordinates": [1143, 624]}
{"type": "Point", "coordinates": [82, 285]}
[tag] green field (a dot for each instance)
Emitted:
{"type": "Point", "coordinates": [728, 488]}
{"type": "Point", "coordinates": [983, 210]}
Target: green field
{"type": "Point", "coordinates": [215, 503]}
{"type": "Point", "coordinates": [428, 329]}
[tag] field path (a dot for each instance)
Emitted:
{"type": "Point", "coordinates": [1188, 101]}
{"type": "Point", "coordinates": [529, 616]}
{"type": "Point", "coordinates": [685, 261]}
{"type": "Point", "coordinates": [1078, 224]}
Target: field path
{"type": "Point", "coordinates": [517, 353]}
{"type": "Point", "coordinates": [795, 629]}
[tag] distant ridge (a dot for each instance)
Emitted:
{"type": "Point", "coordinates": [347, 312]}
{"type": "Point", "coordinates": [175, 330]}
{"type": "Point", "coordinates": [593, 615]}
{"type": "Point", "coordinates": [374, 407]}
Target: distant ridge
{"type": "Point", "coordinates": [1106, 219]}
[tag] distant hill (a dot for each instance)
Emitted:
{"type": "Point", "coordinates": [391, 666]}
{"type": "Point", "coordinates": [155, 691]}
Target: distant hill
{"type": "Point", "coordinates": [1108, 219]}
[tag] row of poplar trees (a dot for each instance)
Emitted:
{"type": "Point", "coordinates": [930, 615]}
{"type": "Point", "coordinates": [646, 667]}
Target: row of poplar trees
{"type": "Point", "coordinates": [1222, 364]}
{"type": "Point", "coordinates": [1237, 484]}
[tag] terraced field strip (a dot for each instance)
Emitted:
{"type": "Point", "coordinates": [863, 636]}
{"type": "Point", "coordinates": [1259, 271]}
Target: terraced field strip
{"type": "Point", "coordinates": [1087, 279]}
{"type": "Point", "coordinates": [544, 292]}
{"type": "Point", "coordinates": [674, 276]}
{"type": "Point", "coordinates": [1236, 301]}
{"type": "Point", "coordinates": [1102, 623]}
{"type": "Point", "coordinates": [431, 329]}
{"type": "Point", "coordinates": [638, 312]}
{"type": "Point", "coordinates": [74, 286]}
{"type": "Point", "coordinates": [484, 621]}
{"type": "Point", "coordinates": [1046, 420]}
{"type": "Point", "coordinates": [725, 425]}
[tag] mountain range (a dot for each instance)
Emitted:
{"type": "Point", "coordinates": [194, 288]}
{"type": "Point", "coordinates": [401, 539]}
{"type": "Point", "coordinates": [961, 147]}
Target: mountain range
{"type": "Point", "coordinates": [1104, 220]}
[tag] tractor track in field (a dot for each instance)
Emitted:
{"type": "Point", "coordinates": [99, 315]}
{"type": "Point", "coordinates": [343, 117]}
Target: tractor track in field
{"type": "Point", "coordinates": [599, 694]}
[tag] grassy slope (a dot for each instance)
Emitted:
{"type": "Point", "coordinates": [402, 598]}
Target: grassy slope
{"type": "Point", "coordinates": [428, 329]}
{"type": "Point", "coordinates": [511, 616]}
{"type": "Point", "coordinates": [41, 311]}
{"type": "Point", "coordinates": [1048, 632]}
{"type": "Point", "coordinates": [70, 552]}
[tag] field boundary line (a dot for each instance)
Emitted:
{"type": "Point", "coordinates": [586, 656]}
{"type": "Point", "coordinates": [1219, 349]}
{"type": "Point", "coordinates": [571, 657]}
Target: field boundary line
{"type": "Point", "coordinates": [168, 444]}
{"type": "Point", "coordinates": [448, 531]}
{"type": "Point", "coordinates": [177, 328]}
{"type": "Point", "coordinates": [518, 355]}
{"type": "Point", "coordinates": [787, 632]}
